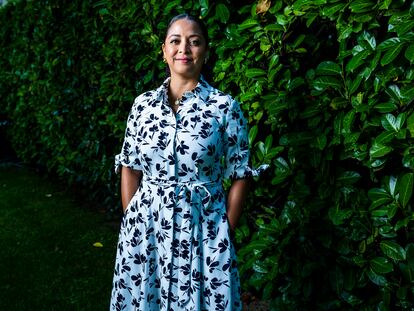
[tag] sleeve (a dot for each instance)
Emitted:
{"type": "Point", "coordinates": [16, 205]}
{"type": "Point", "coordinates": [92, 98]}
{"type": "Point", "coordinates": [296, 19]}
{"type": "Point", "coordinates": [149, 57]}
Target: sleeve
{"type": "Point", "coordinates": [129, 155]}
{"type": "Point", "coordinates": [236, 146]}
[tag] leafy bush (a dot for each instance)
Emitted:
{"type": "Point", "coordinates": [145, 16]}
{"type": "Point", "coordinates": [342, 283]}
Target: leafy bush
{"type": "Point", "coordinates": [327, 86]}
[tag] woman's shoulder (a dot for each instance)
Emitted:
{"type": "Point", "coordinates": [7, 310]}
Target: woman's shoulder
{"type": "Point", "coordinates": [213, 95]}
{"type": "Point", "coordinates": [147, 100]}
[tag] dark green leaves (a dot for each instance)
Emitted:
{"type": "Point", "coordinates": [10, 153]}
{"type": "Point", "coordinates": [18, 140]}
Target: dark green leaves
{"type": "Point", "coordinates": [328, 68]}
{"type": "Point", "coordinates": [381, 265]}
{"type": "Point", "coordinates": [392, 250]}
{"type": "Point", "coordinates": [405, 188]}
{"type": "Point", "coordinates": [255, 72]}
{"type": "Point", "coordinates": [222, 13]}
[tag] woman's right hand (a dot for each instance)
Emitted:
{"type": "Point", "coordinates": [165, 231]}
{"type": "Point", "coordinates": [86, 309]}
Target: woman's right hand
{"type": "Point", "coordinates": [130, 181]}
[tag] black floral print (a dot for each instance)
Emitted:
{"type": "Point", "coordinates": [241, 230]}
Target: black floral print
{"type": "Point", "coordinates": [174, 250]}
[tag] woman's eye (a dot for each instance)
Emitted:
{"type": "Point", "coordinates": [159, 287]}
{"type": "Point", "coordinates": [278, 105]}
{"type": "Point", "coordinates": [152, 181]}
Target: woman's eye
{"type": "Point", "coordinates": [195, 43]}
{"type": "Point", "coordinates": [175, 41]}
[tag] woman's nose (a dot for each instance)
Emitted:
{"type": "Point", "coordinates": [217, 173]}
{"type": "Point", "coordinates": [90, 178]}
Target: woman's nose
{"type": "Point", "coordinates": [184, 46]}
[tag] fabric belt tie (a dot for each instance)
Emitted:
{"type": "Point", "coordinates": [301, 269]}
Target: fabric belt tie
{"type": "Point", "coordinates": [197, 190]}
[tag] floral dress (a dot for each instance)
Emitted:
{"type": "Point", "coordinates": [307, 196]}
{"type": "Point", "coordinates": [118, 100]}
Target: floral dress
{"type": "Point", "coordinates": [174, 251]}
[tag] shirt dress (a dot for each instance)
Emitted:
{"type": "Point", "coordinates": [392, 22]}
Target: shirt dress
{"type": "Point", "coordinates": [174, 250]}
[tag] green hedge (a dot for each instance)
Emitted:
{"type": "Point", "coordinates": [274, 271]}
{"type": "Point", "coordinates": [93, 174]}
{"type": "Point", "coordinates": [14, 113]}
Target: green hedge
{"type": "Point", "coordinates": [327, 86]}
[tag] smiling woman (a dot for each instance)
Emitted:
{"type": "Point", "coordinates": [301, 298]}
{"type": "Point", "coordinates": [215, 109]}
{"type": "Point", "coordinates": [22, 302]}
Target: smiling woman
{"type": "Point", "coordinates": [182, 140]}
{"type": "Point", "coordinates": [185, 49]}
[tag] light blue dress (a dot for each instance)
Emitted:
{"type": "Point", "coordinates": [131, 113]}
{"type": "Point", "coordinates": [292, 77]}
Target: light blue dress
{"type": "Point", "coordinates": [174, 250]}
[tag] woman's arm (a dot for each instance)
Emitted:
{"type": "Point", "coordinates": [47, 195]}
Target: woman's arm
{"type": "Point", "coordinates": [235, 201]}
{"type": "Point", "coordinates": [130, 180]}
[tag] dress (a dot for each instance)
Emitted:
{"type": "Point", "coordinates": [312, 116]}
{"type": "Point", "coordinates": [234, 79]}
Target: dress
{"type": "Point", "coordinates": [174, 251]}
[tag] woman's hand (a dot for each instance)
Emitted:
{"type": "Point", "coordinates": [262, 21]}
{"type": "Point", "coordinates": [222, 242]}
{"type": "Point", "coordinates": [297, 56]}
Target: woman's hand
{"type": "Point", "coordinates": [130, 180]}
{"type": "Point", "coordinates": [235, 201]}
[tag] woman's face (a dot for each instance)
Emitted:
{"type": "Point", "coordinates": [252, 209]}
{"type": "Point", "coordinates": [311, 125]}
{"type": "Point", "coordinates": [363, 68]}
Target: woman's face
{"type": "Point", "coordinates": [185, 49]}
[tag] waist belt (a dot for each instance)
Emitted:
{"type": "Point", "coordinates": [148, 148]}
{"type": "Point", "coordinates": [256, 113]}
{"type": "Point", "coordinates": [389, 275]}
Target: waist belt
{"type": "Point", "coordinates": [193, 191]}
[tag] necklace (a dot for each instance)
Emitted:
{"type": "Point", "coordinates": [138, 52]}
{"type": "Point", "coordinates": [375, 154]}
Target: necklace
{"type": "Point", "coordinates": [177, 101]}
{"type": "Point", "coordinates": [174, 105]}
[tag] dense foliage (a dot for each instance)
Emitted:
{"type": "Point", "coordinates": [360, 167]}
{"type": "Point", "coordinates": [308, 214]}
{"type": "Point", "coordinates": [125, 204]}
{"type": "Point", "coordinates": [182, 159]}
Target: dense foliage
{"type": "Point", "coordinates": [327, 86]}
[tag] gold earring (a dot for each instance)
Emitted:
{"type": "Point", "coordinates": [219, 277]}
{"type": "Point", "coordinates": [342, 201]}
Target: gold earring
{"type": "Point", "coordinates": [164, 60]}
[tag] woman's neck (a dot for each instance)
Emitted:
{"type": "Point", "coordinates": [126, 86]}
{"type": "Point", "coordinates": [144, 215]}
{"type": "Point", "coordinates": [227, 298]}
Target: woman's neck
{"type": "Point", "coordinates": [178, 86]}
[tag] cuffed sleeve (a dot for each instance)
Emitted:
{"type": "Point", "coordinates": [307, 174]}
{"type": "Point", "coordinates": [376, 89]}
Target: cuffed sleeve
{"type": "Point", "coordinates": [129, 155]}
{"type": "Point", "coordinates": [236, 146]}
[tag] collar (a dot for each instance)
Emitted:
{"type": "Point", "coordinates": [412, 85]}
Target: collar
{"type": "Point", "coordinates": [201, 90]}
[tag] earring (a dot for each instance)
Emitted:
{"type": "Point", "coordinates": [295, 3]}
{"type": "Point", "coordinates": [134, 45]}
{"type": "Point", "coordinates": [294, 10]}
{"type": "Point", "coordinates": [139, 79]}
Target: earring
{"type": "Point", "coordinates": [205, 60]}
{"type": "Point", "coordinates": [164, 60]}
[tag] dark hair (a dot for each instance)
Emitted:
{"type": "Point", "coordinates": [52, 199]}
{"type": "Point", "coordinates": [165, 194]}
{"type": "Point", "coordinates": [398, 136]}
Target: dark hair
{"type": "Point", "coordinates": [192, 18]}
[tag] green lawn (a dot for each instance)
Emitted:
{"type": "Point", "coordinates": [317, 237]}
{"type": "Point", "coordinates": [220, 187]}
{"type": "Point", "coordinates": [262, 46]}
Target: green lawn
{"type": "Point", "coordinates": [47, 257]}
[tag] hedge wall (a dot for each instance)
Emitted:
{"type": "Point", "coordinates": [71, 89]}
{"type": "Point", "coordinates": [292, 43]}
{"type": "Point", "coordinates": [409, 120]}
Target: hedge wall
{"type": "Point", "coordinates": [327, 86]}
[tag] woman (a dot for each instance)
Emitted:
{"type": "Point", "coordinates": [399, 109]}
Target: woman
{"type": "Point", "coordinates": [182, 139]}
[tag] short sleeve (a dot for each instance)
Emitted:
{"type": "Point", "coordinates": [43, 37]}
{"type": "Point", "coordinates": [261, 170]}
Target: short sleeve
{"type": "Point", "coordinates": [236, 146]}
{"type": "Point", "coordinates": [129, 155]}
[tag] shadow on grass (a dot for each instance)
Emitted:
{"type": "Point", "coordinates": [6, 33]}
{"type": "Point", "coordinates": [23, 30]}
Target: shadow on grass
{"type": "Point", "coordinates": [47, 257]}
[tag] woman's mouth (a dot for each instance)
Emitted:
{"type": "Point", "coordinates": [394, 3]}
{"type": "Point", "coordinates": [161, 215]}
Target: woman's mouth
{"type": "Point", "coordinates": [183, 60]}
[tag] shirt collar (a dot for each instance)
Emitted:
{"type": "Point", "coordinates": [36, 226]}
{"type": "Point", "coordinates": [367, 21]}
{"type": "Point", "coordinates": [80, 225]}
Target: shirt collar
{"type": "Point", "coordinates": [201, 90]}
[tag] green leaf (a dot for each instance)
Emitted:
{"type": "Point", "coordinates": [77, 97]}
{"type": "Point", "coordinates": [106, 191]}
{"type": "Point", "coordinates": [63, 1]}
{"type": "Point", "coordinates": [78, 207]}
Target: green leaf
{"type": "Point", "coordinates": [348, 178]}
{"type": "Point", "coordinates": [273, 27]}
{"type": "Point", "coordinates": [391, 123]}
{"type": "Point", "coordinates": [357, 60]}
{"type": "Point", "coordinates": [385, 137]}
{"type": "Point", "coordinates": [361, 6]}
{"type": "Point", "coordinates": [274, 60]}
{"type": "Point", "coordinates": [410, 124]}
{"type": "Point", "coordinates": [322, 83]}
{"type": "Point", "coordinates": [328, 68]}
{"type": "Point", "coordinates": [392, 250]}
{"type": "Point", "coordinates": [403, 223]}
{"type": "Point", "coordinates": [404, 27]}
{"type": "Point", "coordinates": [391, 184]}
{"type": "Point", "coordinates": [295, 83]}
{"type": "Point", "coordinates": [338, 216]}
{"type": "Point", "coordinates": [379, 196]}
{"type": "Point", "coordinates": [204, 4]}
{"type": "Point", "coordinates": [405, 188]}
{"type": "Point", "coordinates": [391, 54]}
{"type": "Point", "coordinates": [408, 273]}
{"type": "Point", "coordinates": [370, 39]}
{"type": "Point", "coordinates": [348, 122]}
{"type": "Point", "coordinates": [330, 10]}
{"type": "Point", "coordinates": [381, 265]}
{"type": "Point", "coordinates": [355, 84]}
{"type": "Point", "coordinates": [375, 278]}
{"type": "Point", "coordinates": [409, 53]}
{"type": "Point", "coordinates": [222, 13]}
{"type": "Point", "coordinates": [248, 24]}
{"type": "Point", "coordinates": [351, 299]}
{"type": "Point", "coordinates": [394, 92]}
{"type": "Point", "coordinates": [389, 43]}
{"type": "Point", "coordinates": [407, 94]}
{"type": "Point", "coordinates": [255, 72]}
{"type": "Point", "coordinates": [385, 4]}
{"type": "Point", "coordinates": [260, 267]}
{"type": "Point", "coordinates": [252, 134]}
{"type": "Point", "coordinates": [386, 107]}
{"type": "Point", "coordinates": [379, 150]}
{"type": "Point", "coordinates": [345, 32]}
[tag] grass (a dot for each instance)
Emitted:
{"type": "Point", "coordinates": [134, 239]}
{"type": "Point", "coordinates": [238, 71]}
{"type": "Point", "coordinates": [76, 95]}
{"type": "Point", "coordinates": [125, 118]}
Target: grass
{"type": "Point", "coordinates": [47, 257]}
